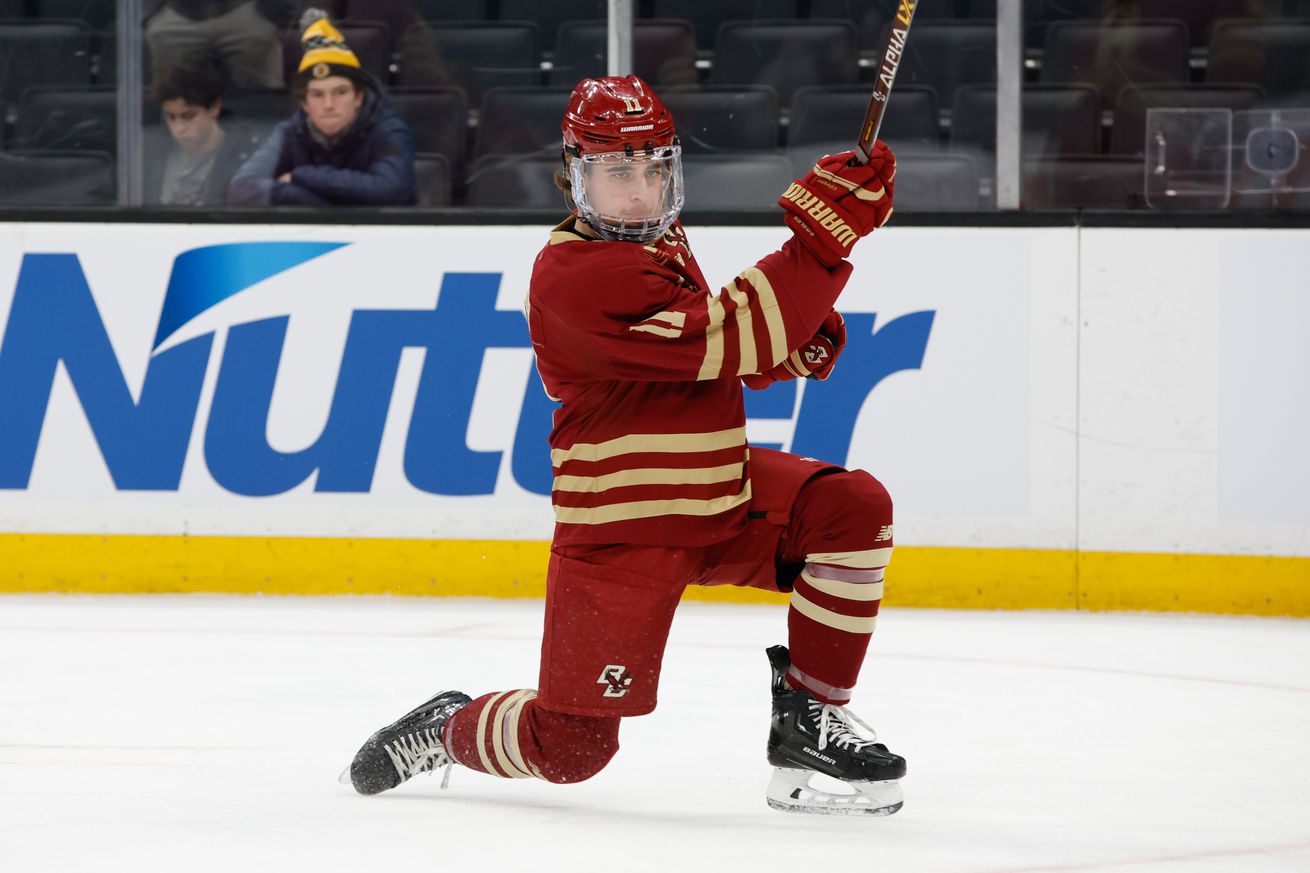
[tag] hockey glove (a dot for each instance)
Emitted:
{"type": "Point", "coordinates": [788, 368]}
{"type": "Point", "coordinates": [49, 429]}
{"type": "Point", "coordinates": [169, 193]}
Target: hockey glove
{"type": "Point", "coordinates": [836, 203]}
{"type": "Point", "coordinates": [813, 360]}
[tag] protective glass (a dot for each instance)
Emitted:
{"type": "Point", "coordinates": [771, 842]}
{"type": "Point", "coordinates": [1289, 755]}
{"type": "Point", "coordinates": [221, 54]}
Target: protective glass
{"type": "Point", "coordinates": [633, 198]}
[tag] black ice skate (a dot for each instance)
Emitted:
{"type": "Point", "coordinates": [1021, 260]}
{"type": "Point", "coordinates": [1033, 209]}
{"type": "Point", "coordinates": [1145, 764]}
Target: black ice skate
{"type": "Point", "coordinates": [808, 737]}
{"type": "Point", "coordinates": [409, 745]}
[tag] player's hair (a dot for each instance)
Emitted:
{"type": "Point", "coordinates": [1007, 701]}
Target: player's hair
{"type": "Point", "coordinates": [194, 79]}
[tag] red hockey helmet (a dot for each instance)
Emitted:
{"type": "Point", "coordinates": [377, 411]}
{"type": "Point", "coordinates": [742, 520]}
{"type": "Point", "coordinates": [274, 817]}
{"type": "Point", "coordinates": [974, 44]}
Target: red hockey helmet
{"type": "Point", "coordinates": [623, 158]}
{"type": "Point", "coordinates": [616, 114]}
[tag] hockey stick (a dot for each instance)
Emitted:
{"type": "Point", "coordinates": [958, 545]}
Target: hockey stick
{"type": "Point", "coordinates": [882, 86]}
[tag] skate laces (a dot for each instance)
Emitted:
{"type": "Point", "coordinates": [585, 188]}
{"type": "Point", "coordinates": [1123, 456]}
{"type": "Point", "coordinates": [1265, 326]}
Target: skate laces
{"type": "Point", "coordinates": [835, 727]}
{"type": "Point", "coordinates": [418, 752]}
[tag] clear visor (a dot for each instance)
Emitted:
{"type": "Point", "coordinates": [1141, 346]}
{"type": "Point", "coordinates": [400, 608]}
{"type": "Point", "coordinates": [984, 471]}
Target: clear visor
{"type": "Point", "coordinates": [634, 198]}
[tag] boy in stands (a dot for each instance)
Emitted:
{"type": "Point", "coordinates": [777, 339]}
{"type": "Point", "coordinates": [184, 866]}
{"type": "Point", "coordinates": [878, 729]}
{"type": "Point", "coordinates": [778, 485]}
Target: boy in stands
{"type": "Point", "coordinates": [655, 486]}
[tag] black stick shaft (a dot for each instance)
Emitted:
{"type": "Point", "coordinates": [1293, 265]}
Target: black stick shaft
{"type": "Point", "coordinates": [882, 86]}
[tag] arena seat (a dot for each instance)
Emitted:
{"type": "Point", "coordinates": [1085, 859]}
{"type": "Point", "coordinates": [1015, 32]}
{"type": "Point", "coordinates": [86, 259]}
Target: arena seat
{"type": "Point", "coordinates": [520, 121]}
{"type": "Point", "coordinates": [37, 52]}
{"type": "Point", "coordinates": [822, 114]}
{"type": "Point", "coordinates": [438, 118]}
{"type": "Point", "coordinates": [1084, 182]}
{"type": "Point", "coordinates": [50, 177]}
{"type": "Point", "coordinates": [98, 14]}
{"type": "Point", "coordinates": [1113, 56]}
{"type": "Point", "coordinates": [741, 180]}
{"type": "Point", "coordinates": [1057, 119]}
{"type": "Point", "coordinates": [72, 119]}
{"type": "Point", "coordinates": [482, 55]}
{"type": "Point", "coordinates": [722, 118]}
{"type": "Point", "coordinates": [514, 182]}
{"type": "Point", "coordinates": [870, 16]}
{"type": "Point", "coordinates": [785, 54]}
{"type": "Point", "coordinates": [549, 15]}
{"type": "Point", "coordinates": [432, 175]}
{"type": "Point", "coordinates": [453, 10]}
{"type": "Point", "coordinates": [707, 16]}
{"type": "Point", "coordinates": [948, 54]}
{"type": "Point", "coordinates": [1129, 134]}
{"type": "Point", "coordinates": [663, 52]}
{"type": "Point", "coordinates": [1272, 54]}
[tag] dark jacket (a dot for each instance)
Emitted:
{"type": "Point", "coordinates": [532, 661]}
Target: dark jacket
{"type": "Point", "coordinates": [238, 146]}
{"type": "Point", "coordinates": [370, 164]}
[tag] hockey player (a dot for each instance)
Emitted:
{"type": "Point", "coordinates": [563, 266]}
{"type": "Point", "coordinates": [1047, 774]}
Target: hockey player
{"type": "Point", "coordinates": [655, 487]}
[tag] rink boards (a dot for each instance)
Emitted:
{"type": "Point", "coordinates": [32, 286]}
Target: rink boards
{"type": "Point", "coordinates": [1066, 418]}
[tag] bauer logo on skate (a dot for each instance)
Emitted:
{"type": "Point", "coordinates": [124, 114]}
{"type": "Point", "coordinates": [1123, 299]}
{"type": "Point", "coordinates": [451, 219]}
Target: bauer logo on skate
{"type": "Point", "coordinates": [239, 370]}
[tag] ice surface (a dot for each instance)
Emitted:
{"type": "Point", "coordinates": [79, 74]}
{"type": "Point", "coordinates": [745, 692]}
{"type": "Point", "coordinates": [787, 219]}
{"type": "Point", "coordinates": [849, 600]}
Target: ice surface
{"type": "Point", "coordinates": [206, 733]}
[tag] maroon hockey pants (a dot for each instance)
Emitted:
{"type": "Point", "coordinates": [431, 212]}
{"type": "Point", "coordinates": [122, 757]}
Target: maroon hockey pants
{"type": "Point", "coordinates": [820, 531]}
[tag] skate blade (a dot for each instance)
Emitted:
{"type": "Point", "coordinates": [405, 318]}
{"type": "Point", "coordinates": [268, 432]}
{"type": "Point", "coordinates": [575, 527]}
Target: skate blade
{"type": "Point", "coordinates": [790, 791]}
{"type": "Point", "coordinates": [344, 778]}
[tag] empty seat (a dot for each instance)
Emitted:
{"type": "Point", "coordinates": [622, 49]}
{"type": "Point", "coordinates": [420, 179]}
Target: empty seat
{"type": "Point", "coordinates": [432, 178]}
{"type": "Point", "coordinates": [926, 181]}
{"type": "Point", "coordinates": [1113, 56]}
{"type": "Point", "coordinates": [1200, 15]}
{"type": "Point", "coordinates": [52, 117]}
{"type": "Point", "coordinates": [745, 180]}
{"type": "Point", "coordinates": [1057, 119]}
{"type": "Point", "coordinates": [707, 17]}
{"type": "Point", "coordinates": [260, 106]}
{"type": "Point", "coordinates": [870, 15]}
{"type": "Point", "coordinates": [1274, 55]}
{"type": "Point", "coordinates": [821, 114]}
{"type": "Point", "coordinates": [96, 13]}
{"type": "Point", "coordinates": [453, 10]}
{"type": "Point", "coordinates": [663, 52]}
{"type": "Point", "coordinates": [35, 52]}
{"type": "Point", "coordinates": [550, 14]}
{"type": "Point", "coordinates": [13, 8]}
{"type": "Point", "coordinates": [1084, 182]}
{"type": "Point", "coordinates": [515, 182]}
{"type": "Point", "coordinates": [438, 118]}
{"type": "Point", "coordinates": [478, 56]}
{"type": "Point", "coordinates": [724, 118]}
{"type": "Point", "coordinates": [785, 54]}
{"type": "Point", "coordinates": [369, 40]}
{"type": "Point", "coordinates": [948, 54]}
{"type": "Point", "coordinates": [1129, 135]}
{"type": "Point", "coordinates": [38, 177]}
{"type": "Point", "coordinates": [521, 121]}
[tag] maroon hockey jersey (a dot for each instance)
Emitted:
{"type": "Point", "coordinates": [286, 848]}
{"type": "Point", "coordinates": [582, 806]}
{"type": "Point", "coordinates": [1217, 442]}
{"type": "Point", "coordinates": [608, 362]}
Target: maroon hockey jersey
{"type": "Point", "coordinates": [649, 445]}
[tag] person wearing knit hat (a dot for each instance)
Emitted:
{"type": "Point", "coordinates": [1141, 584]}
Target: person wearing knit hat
{"type": "Point", "coordinates": [344, 146]}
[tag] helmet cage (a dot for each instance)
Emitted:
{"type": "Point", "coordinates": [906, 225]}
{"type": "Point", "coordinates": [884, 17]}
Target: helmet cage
{"type": "Point", "coordinates": [616, 228]}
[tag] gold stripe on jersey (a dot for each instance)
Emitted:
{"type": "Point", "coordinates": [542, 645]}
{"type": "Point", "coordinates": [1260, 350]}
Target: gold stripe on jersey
{"type": "Point", "coordinates": [745, 329]}
{"type": "Point", "coordinates": [510, 708]}
{"type": "Point", "coordinates": [849, 623]}
{"type": "Point", "coordinates": [712, 364]}
{"type": "Point", "coordinates": [870, 559]}
{"type": "Point", "coordinates": [777, 328]}
{"type": "Point", "coordinates": [845, 590]}
{"type": "Point", "coordinates": [676, 443]}
{"type": "Point", "coordinates": [651, 476]}
{"type": "Point", "coordinates": [650, 508]}
{"type": "Point", "coordinates": [670, 332]}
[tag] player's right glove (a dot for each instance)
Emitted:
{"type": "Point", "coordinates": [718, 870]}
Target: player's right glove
{"type": "Point", "coordinates": [836, 203]}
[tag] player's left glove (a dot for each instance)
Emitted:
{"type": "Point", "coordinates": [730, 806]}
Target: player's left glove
{"type": "Point", "coordinates": [813, 360]}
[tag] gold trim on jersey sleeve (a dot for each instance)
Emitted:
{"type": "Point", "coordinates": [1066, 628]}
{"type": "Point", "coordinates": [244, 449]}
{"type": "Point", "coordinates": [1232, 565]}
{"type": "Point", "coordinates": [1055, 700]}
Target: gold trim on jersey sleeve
{"type": "Point", "coordinates": [651, 442]}
{"type": "Point", "coordinates": [650, 508]}
{"type": "Point", "coordinates": [745, 328]}
{"type": "Point", "coordinates": [651, 476]}
{"type": "Point", "coordinates": [773, 321]}
{"type": "Point", "coordinates": [712, 365]}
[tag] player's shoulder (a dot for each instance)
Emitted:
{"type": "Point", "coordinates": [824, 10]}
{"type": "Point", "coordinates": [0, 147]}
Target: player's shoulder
{"type": "Point", "coordinates": [572, 266]}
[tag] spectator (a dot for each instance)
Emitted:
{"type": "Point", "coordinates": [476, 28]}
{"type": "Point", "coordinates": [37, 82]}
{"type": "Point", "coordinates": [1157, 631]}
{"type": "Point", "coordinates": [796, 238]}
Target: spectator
{"type": "Point", "coordinates": [241, 34]}
{"type": "Point", "coordinates": [411, 40]}
{"type": "Point", "coordinates": [344, 146]}
{"type": "Point", "coordinates": [192, 166]}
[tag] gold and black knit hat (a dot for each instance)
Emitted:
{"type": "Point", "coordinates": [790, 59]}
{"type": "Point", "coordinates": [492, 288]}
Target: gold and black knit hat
{"type": "Point", "coordinates": [325, 52]}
